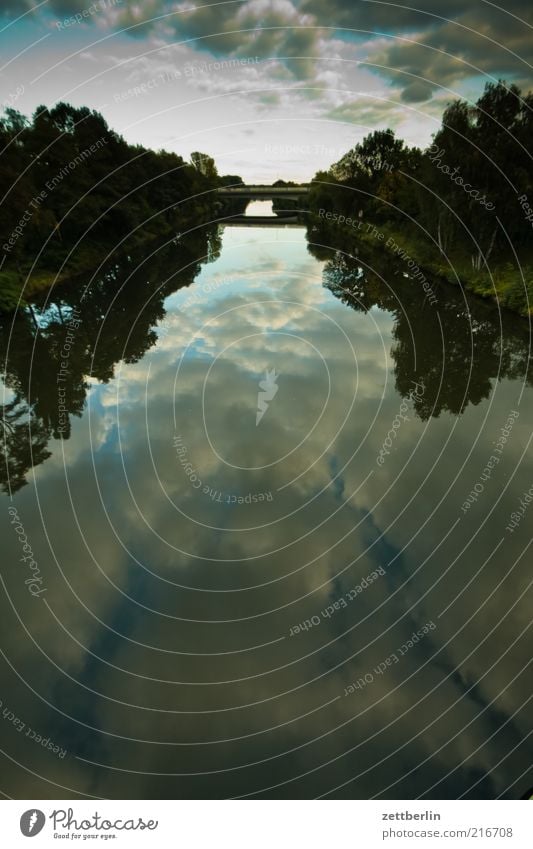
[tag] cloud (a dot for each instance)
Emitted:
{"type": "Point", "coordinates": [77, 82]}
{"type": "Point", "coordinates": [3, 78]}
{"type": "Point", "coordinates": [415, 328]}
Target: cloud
{"type": "Point", "coordinates": [60, 7]}
{"type": "Point", "coordinates": [381, 17]}
{"type": "Point", "coordinates": [16, 7]}
{"type": "Point", "coordinates": [263, 28]}
{"type": "Point", "coordinates": [482, 41]}
{"type": "Point", "coordinates": [417, 92]}
{"type": "Point", "coordinates": [367, 112]}
{"type": "Point", "coordinates": [370, 113]}
{"type": "Point", "coordinates": [436, 45]}
{"type": "Point", "coordinates": [269, 98]}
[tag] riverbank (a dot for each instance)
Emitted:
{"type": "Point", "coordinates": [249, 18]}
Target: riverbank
{"type": "Point", "coordinates": [18, 288]}
{"type": "Point", "coordinates": [91, 195]}
{"type": "Point", "coordinates": [505, 284]}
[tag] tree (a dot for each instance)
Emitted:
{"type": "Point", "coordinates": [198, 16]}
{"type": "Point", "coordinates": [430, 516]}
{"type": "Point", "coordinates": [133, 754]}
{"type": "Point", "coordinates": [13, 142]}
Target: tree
{"type": "Point", "coordinates": [204, 164]}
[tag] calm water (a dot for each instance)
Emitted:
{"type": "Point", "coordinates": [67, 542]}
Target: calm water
{"type": "Point", "coordinates": [247, 471]}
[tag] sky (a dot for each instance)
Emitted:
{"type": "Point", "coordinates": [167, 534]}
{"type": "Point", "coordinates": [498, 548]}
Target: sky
{"type": "Point", "coordinates": [271, 88]}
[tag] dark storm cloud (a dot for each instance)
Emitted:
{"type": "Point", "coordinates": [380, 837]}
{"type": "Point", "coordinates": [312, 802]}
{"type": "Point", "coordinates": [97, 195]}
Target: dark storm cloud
{"type": "Point", "coordinates": [418, 49]}
{"type": "Point", "coordinates": [382, 16]}
{"type": "Point", "coordinates": [477, 38]}
{"type": "Point", "coordinates": [264, 28]}
{"type": "Point", "coordinates": [14, 7]}
{"type": "Point", "coordinates": [18, 7]}
{"type": "Point", "coordinates": [418, 91]}
{"type": "Point", "coordinates": [449, 53]}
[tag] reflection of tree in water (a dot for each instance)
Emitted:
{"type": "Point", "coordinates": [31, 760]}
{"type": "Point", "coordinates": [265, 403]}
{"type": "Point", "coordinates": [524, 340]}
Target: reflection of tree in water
{"type": "Point", "coordinates": [24, 441]}
{"type": "Point", "coordinates": [117, 317]}
{"type": "Point", "coordinates": [454, 348]}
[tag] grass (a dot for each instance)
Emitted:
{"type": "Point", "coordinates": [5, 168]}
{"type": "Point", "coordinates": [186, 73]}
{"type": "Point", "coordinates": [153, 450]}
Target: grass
{"type": "Point", "coordinates": [17, 288]}
{"type": "Point", "coordinates": [506, 284]}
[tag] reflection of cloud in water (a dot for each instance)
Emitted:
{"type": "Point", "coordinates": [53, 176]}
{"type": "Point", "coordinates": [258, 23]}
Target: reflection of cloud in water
{"type": "Point", "coordinates": [180, 634]}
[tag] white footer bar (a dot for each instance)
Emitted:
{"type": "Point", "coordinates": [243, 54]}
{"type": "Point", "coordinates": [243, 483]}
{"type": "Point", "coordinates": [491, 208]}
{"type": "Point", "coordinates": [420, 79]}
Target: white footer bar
{"type": "Point", "coordinates": [268, 824]}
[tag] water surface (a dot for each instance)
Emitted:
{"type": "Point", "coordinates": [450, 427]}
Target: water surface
{"type": "Point", "coordinates": [225, 606]}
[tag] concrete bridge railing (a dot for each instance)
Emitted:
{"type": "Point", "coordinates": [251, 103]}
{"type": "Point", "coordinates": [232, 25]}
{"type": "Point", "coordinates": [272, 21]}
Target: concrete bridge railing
{"type": "Point", "coordinates": [289, 192]}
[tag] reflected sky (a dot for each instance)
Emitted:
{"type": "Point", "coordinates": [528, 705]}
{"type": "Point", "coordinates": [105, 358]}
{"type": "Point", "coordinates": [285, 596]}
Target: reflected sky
{"type": "Point", "coordinates": [183, 646]}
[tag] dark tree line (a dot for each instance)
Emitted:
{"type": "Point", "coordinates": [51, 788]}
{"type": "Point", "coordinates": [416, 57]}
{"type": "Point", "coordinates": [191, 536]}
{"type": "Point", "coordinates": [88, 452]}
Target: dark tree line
{"type": "Point", "coordinates": [70, 187]}
{"type": "Point", "coordinates": [462, 204]}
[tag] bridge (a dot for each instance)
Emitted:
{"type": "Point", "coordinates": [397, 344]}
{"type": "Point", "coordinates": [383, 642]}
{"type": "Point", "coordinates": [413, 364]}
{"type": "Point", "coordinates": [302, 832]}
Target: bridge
{"type": "Point", "coordinates": [262, 221]}
{"type": "Point", "coordinates": [263, 192]}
